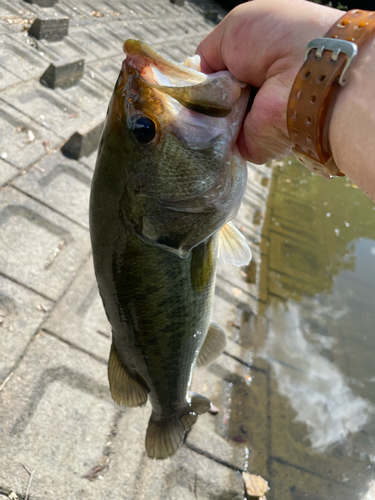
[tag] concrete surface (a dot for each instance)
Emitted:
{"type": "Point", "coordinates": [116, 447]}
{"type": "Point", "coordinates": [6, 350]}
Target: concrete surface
{"type": "Point", "coordinates": [57, 419]}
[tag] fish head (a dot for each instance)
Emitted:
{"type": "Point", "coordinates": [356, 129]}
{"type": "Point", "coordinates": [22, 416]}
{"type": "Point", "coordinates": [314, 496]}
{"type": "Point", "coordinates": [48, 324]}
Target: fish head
{"type": "Point", "coordinates": [168, 141]}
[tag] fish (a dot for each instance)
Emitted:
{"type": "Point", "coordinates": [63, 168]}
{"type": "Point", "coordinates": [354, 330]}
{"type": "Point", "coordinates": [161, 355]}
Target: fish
{"type": "Point", "coordinates": [165, 188]}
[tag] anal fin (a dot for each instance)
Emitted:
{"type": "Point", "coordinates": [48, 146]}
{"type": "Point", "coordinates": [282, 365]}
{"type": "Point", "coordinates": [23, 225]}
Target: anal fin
{"type": "Point", "coordinates": [213, 345]}
{"type": "Point", "coordinates": [125, 390]}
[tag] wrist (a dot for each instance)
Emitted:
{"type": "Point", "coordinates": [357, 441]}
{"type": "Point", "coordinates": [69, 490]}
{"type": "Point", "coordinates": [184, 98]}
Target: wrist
{"type": "Point", "coordinates": [353, 110]}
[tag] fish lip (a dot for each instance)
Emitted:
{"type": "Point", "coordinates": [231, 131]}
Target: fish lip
{"type": "Point", "coordinates": [140, 55]}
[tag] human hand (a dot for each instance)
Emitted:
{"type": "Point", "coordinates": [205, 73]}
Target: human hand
{"type": "Point", "coordinates": [263, 43]}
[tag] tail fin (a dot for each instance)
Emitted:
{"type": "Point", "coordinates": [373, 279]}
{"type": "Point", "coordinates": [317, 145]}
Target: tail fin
{"type": "Point", "coordinates": [164, 437]}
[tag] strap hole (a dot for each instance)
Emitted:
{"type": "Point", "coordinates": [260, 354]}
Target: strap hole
{"type": "Point", "coordinates": [295, 133]}
{"type": "Point", "coordinates": [308, 138]}
{"type": "Point", "coordinates": [313, 99]}
{"type": "Point", "coordinates": [306, 74]}
{"type": "Point", "coordinates": [293, 115]}
{"type": "Point", "coordinates": [321, 78]}
{"type": "Point", "coordinates": [343, 23]}
{"type": "Point", "coordinates": [361, 25]}
{"type": "Point", "coordinates": [311, 153]}
{"type": "Point", "coordinates": [308, 120]}
{"type": "Point", "coordinates": [297, 146]}
{"type": "Point", "coordinates": [297, 94]}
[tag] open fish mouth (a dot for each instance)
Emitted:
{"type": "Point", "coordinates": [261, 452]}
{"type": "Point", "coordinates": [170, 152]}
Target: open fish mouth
{"type": "Point", "coordinates": [212, 95]}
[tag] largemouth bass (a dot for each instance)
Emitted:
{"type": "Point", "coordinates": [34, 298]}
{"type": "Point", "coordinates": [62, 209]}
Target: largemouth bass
{"type": "Point", "coordinates": [166, 185]}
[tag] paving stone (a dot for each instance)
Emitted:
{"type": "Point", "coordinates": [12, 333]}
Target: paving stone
{"type": "Point", "coordinates": [38, 247]}
{"type": "Point", "coordinates": [66, 49]}
{"type": "Point", "coordinates": [79, 317]}
{"type": "Point", "coordinates": [6, 172]}
{"type": "Point", "coordinates": [96, 47]}
{"type": "Point", "coordinates": [7, 78]}
{"type": "Point", "coordinates": [188, 476]}
{"type": "Point", "coordinates": [21, 313]}
{"type": "Point", "coordinates": [46, 107]}
{"type": "Point", "coordinates": [63, 74]}
{"type": "Point", "coordinates": [22, 141]}
{"type": "Point", "coordinates": [109, 36]}
{"type": "Point", "coordinates": [13, 55]}
{"type": "Point", "coordinates": [61, 183]}
{"type": "Point", "coordinates": [106, 72]}
{"type": "Point", "coordinates": [86, 140]}
{"type": "Point", "coordinates": [210, 433]}
{"type": "Point", "coordinates": [89, 161]}
{"type": "Point", "coordinates": [53, 28]}
{"type": "Point", "coordinates": [42, 3]}
{"type": "Point", "coordinates": [86, 95]}
{"type": "Point", "coordinates": [56, 413]}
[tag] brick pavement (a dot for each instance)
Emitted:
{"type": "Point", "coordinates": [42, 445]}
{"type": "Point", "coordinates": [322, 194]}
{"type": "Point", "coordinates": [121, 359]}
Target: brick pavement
{"type": "Point", "coordinates": [56, 413]}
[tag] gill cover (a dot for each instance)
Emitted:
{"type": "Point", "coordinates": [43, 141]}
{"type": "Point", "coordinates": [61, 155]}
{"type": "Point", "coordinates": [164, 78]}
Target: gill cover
{"type": "Point", "coordinates": [183, 182]}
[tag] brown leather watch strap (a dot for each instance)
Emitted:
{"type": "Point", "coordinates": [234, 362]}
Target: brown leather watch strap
{"type": "Point", "coordinates": [310, 100]}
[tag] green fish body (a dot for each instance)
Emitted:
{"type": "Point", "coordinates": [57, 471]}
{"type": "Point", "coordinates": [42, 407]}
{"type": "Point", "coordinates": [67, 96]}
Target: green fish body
{"type": "Point", "coordinates": [161, 194]}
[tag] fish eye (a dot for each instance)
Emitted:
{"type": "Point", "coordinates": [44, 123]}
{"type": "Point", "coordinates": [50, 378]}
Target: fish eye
{"type": "Point", "coordinates": [144, 129]}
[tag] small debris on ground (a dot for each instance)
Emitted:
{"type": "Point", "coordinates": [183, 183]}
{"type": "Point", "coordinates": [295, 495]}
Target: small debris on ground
{"type": "Point", "coordinates": [13, 496]}
{"type": "Point", "coordinates": [96, 13]}
{"type": "Point", "coordinates": [214, 410]}
{"type": "Point", "coordinates": [6, 381]}
{"type": "Point", "coordinates": [256, 486]}
{"type": "Point", "coordinates": [94, 472]}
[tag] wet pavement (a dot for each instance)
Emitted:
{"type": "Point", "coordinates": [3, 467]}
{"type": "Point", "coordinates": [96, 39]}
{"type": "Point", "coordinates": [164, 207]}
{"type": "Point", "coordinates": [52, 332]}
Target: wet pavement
{"type": "Point", "coordinates": [295, 386]}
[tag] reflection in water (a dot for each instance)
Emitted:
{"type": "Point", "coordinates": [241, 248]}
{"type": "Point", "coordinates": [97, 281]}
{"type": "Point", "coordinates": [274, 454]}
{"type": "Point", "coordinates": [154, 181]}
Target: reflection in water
{"type": "Point", "coordinates": [314, 338]}
{"type": "Point", "coordinates": [317, 390]}
{"type": "Point", "coordinates": [370, 495]}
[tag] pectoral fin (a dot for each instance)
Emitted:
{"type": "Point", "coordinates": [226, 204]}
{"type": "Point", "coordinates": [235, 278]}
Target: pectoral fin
{"type": "Point", "coordinates": [213, 345]}
{"type": "Point", "coordinates": [125, 390]}
{"type": "Point", "coordinates": [233, 248]}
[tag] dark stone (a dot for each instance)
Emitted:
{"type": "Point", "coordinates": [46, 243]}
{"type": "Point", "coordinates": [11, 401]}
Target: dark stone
{"type": "Point", "coordinates": [180, 3]}
{"type": "Point", "coordinates": [63, 75]}
{"type": "Point", "coordinates": [85, 141]}
{"type": "Point", "coordinates": [42, 3]}
{"type": "Point", "coordinates": [52, 29]}
{"type": "Point", "coordinates": [211, 15]}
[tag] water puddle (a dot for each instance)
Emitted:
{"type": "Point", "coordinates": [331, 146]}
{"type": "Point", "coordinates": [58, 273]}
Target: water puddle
{"type": "Point", "coordinates": [309, 423]}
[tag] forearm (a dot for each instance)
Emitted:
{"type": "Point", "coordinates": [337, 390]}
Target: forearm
{"type": "Point", "coordinates": [352, 126]}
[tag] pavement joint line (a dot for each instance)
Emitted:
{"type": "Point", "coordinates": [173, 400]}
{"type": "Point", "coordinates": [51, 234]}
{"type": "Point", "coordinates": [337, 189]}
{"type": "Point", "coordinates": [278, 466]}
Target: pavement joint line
{"type": "Point", "coordinates": [104, 334]}
{"type": "Point", "coordinates": [47, 316]}
{"type": "Point", "coordinates": [245, 363]}
{"type": "Point", "coordinates": [212, 457]}
{"type": "Point", "coordinates": [32, 118]}
{"type": "Point", "coordinates": [75, 346]}
{"type": "Point", "coordinates": [84, 164]}
{"type": "Point", "coordinates": [50, 207]}
{"type": "Point", "coordinates": [308, 471]}
{"type": "Point", "coordinates": [17, 282]}
{"type": "Point", "coordinates": [233, 300]}
{"type": "Point", "coordinates": [107, 448]}
{"type": "Point", "coordinates": [244, 291]}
